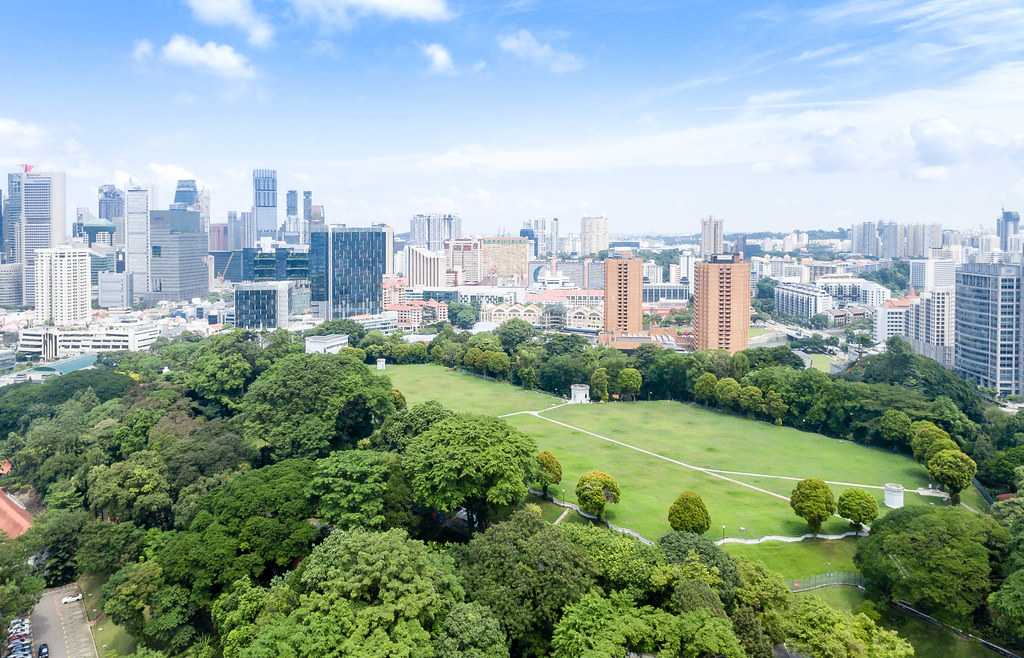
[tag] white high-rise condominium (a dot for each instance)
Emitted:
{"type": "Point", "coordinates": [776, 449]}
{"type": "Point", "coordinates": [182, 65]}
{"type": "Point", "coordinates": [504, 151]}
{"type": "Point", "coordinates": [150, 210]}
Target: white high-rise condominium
{"type": "Point", "coordinates": [593, 235]}
{"type": "Point", "coordinates": [712, 236]}
{"type": "Point", "coordinates": [42, 223]}
{"type": "Point", "coordinates": [431, 231]}
{"type": "Point", "coordinates": [137, 236]}
{"type": "Point", "coordinates": [62, 289]}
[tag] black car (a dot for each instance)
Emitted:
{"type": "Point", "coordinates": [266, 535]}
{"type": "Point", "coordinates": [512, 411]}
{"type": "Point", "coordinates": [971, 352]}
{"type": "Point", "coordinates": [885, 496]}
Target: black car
{"type": "Point", "coordinates": [44, 651]}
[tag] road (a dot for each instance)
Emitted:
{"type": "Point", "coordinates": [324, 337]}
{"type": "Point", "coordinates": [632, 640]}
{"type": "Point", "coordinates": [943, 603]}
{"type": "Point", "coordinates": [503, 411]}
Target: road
{"type": "Point", "coordinates": [62, 626]}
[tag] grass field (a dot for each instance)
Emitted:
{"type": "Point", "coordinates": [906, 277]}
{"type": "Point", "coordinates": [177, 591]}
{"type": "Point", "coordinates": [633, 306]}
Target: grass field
{"type": "Point", "coordinates": [683, 432]}
{"type": "Point", "coordinates": [110, 638]}
{"type": "Point", "coordinates": [821, 362]}
{"type": "Point", "coordinates": [799, 559]}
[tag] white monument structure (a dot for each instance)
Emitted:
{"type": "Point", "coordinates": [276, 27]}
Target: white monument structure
{"type": "Point", "coordinates": [580, 394]}
{"type": "Point", "coordinates": [894, 496]}
{"type": "Point", "coordinates": [381, 363]}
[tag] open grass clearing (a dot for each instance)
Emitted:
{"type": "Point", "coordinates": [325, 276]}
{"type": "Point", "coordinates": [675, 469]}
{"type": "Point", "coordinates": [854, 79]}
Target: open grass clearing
{"type": "Point", "coordinates": [464, 392]}
{"type": "Point", "coordinates": [110, 638]}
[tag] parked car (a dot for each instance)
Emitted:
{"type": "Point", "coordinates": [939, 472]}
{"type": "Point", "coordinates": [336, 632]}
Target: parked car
{"type": "Point", "coordinates": [44, 651]}
{"type": "Point", "coordinates": [72, 598]}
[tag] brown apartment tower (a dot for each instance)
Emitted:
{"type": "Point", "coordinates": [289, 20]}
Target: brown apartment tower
{"type": "Point", "coordinates": [623, 296]}
{"type": "Point", "coordinates": [721, 301]}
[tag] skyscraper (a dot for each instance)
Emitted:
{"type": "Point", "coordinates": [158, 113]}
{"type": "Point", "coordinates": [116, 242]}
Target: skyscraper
{"type": "Point", "coordinates": [62, 288]}
{"type": "Point", "coordinates": [593, 235]}
{"type": "Point", "coordinates": [110, 200]}
{"type": "Point", "coordinates": [989, 347]}
{"type": "Point", "coordinates": [42, 223]}
{"type": "Point", "coordinates": [864, 239]}
{"type": "Point", "coordinates": [307, 205]}
{"type": "Point", "coordinates": [264, 201]}
{"type": "Point", "coordinates": [346, 271]}
{"type": "Point", "coordinates": [721, 298]}
{"type": "Point", "coordinates": [554, 236]}
{"type": "Point", "coordinates": [431, 231]}
{"type": "Point", "coordinates": [623, 296]}
{"type": "Point", "coordinates": [137, 236]}
{"type": "Point", "coordinates": [425, 267]}
{"type": "Point", "coordinates": [12, 217]}
{"type": "Point", "coordinates": [186, 195]}
{"type": "Point", "coordinates": [177, 266]}
{"type": "Point", "coordinates": [292, 203]}
{"type": "Point", "coordinates": [1007, 225]}
{"type": "Point", "coordinates": [389, 247]}
{"type": "Point", "coordinates": [712, 236]}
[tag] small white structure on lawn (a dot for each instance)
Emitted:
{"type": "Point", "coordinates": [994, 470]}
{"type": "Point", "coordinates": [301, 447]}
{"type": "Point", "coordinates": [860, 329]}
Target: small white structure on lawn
{"type": "Point", "coordinates": [894, 496]}
{"type": "Point", "coordinates": [580, 394]}
{"type": "Point", "coordinates": [329, 344]}
{"type": "Point", "coordinates": [381, 363]}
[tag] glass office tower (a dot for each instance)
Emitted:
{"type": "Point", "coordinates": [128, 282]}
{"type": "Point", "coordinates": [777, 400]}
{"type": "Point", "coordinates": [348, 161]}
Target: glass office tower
{"type": "Point", "coordinates": [346, 271]}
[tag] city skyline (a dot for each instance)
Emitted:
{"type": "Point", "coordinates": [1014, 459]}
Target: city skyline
{"type": "Point", "coordinates": [500, 112]}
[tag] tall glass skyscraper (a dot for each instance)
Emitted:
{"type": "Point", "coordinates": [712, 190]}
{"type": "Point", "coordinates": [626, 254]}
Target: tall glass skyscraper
{"type": "Point", "coordinates": [989, 326]}
{"type": "Point", "coordinates": [307, 205]}
{"type": "Point", "coordinates": [12, 215]}
{"type": "Point", "coordinates": [346, 271]}
{"type": "Point", "coordinates": [292, 203]}
{"type": "Point", "coordinates": [42, 223]}
{"type": "Point", "coordinates": [186, 195]}
{"type": "Point", "coordinates": [264, 201]}
{"type": "Point", "coordinates": [111, 202]}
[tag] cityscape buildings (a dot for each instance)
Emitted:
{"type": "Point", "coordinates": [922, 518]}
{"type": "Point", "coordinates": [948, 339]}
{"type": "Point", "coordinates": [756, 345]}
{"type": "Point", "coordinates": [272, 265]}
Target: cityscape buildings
{"type": "Point", "coordinates": [989, 349]}
{"type": "Point", "coordinates": [712, 236]}
{"type": "Point", "coordinates": [623, 296]}
{"type": "Point", "coordinates": [264, 201]}
{"type": "Point", "coordinates": [41, 223]}
{"type": "Point", "coordinates": [721, 299]}
{"type": "Point", "coordinates": [137, 236]}
{"type": "Point", "coordinates": [432, 231]}
{"type": "Point", "coordinates": [347, 271]}
{"type": "Point", "coordinates": [593, 235]}
{"type": "Point", "coordinates": [62, 286]}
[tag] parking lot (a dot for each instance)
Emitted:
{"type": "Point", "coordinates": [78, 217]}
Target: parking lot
{"type": "Point", "coordinates": [62, 626]}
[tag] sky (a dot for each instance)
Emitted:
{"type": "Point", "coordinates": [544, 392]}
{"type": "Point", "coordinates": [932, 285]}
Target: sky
{"type": "Point", "coordinates": [655, 113]}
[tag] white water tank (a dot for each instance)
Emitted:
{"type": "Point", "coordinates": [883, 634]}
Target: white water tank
{"type": "Point", "coordinates": [580, 394]}
{"type": "Point", "coordinates": [381, 363]}
{"type": "Point", "coordinates": [894, 496]}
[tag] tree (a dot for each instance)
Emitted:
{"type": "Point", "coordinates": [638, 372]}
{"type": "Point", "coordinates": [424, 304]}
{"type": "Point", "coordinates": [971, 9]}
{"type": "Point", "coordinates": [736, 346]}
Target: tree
{"type": "Point", "coordinates": [599, 385]}
{"type": "Point", "coordinates": [894, 427]}
{"type": "Point", "coordinates": [938, 559]}
{"type": "Point", "coordinates": [705, 388]}
{"type": "Point", "coordinates": [751, 400]}
{"type": "Point", "coordinates": [813, 502]}
{"type": "Point", "coordinates": [924, 433]}
{"type": "Point", "coordinates": [496, 364]}
{"type": "Point", "coordinates": [618, 561]}
{"type": "Point", "coordinates": [688, 514]}
{"type": "Point", "coordinates": [606, 627]}
{"type": "Point", "coordinates": [681, 548]}
{"type": "Point", "coordinates": [630, 382]}
{"type": "Point", "coordinates": [857, 505]}
{"type": "Point", "coordinates": [357, 489]}
{"type": "Point", "coordinates": [470, 631]}
{"type": "Point", "coordinates": [396, 432]}
{"type": "Point", "coordinates": [1007, 605]}
{"type": "Point", "coordinates": [106, 547]}
{"type": "Point", "coordinates": [727, 392]}
{"type": "Point", "coordinates": [525, 571]}
{"type": "Point", "coordinates": [594, 490]}
{"type": "Point", "coordinates": [954, 471]}
{"type": "Point", "coordinates": [350, 328]}
{"type": "Point", "coordinates": [776, 406]}
{"type": "Point", "coordinates": [549, 470]}
{"type": "Point", "coordinates": [157, 612]}
{"type": "Point", "coordinates": [815, 628]}
{"type": "Point", "coordinates": [133, 490]}
{"type": "Point", "coordinates": [307, 403]}
{"type": "Point", "coordinates": [20, 588]}
{"type": "Point", "coordinates": [513, 333]}
{"type": "Point", "coordinates": [222, 368]}
{"type": "Point", "coordinates": [937, 446]}
{"type": "Point", "coordinates": [472, 462]}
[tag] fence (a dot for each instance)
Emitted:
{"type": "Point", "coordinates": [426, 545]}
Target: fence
{"type": "Point", "coordinates": [983, 490]}
{"type": "Point", "coordinates": [848, 578]}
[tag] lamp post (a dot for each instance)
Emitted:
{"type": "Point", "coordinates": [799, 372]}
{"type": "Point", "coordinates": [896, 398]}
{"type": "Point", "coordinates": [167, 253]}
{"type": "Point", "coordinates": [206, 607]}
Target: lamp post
{"type": "Point", "coordinates": [723, 533]}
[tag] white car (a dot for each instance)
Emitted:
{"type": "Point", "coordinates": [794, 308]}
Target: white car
{"type": "Point", "coordinates": [72, 599]}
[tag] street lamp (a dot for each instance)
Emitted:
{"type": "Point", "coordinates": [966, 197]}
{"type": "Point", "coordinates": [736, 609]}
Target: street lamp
{"type": "Point", "coordinates": [723, 532]}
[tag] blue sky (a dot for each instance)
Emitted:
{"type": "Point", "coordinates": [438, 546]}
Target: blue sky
{"type": "Point", "coordinates": [654, 113]}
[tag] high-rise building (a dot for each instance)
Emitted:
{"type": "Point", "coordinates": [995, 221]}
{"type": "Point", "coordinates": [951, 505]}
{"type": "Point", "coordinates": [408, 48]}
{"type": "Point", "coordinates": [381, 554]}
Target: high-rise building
{"type": "Point", "coordinates": [346, 271]}
{"type": "Point", "coordinates": [291, 204]}
{"type": "Point", "coordinates": [62, 288]}
{"type": "Point", "coordinates": [12, 218]}
{"type": "Point", "coordinates": [389, 247]}
{"type": "Point", "coordinates": [653, 272]}
{"type": "Point", "coordinates": [712, 236]}
{"type": "Point", "coordinates": [307, 205]}
{"type": "Point", "coordinates": [929, 273]}
{"type": "Point", "coordinates": [219, 240]}
{"type": "Point", "coordinates": [114, 290]}
{"type": "Point", "coordinates": [721, 298]}
{"type": "Point", "coordinates": [42, 223]}
{"type": "Point", "coordinates": [932, 325]}
{"type": "Point", "coordinates": [186, 195]}
{"type": "Point", "coordinates": [593, 235]}
{"type": "Point", "coordinates": [531, 235]}
{"type": "Point", "coordinates": [555, 246]}
{"type": "Point", "coordinates": [989, 346]}
{"type": "Point", "coordinates": [505, 261]}
{"type": "Point", "coordinates": [425, 267]}
{"type": "Point", "coordinates": [137, 245]}
{"type": "Point", "coordinates": [623, 296]}
{"type": "Point", "coordinates": [263, 306]}
{"type": "Point", "coordinates": [432, 231]}
{"type": "Point", "coordinates": [10, 285]}
{"type": "Point", "coordinates": [464, 260]}
{"type": "Point", "coordinates": [1007, 226]}
{"type": "Point", "coordinates": [110, 202]}
{"type": "Point", "coordinates": [864, 239]}
{"type": "Point", "coordinates": [178, 268]}
{"type": "Point", "coordinates": [264, 201]}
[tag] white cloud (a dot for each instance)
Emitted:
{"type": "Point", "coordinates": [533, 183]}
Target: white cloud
{"type": "Point", "coordinates": [18, 135]}
{"type": "Point", "coordinates": [776, 97]}
{"type": "Point", "coordinates": [526, 46]}
{"type": "Point", "coordinates": [234, 13]}
{"type": "Point", "coordinates": [820, 53]}
{"type": "Point", "coordinates": [937, 142]}
{"type": "Point", "coordinates": [142, 50]}
{"type": "Point", "coordinates": [480, 66]}
{"type": "Point", "coordinates": [167, 175]}
{"type": "Point", "coordinates": [342, 13]}
{"type": "Point", "coordinates": [440, 58]}
{"type": "Point", "coordinates": [212, 57]}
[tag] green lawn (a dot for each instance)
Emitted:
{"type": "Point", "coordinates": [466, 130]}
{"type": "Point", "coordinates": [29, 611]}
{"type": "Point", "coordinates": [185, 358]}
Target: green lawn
{"type": "Point", "coordinates": [821, 362]}
{"type": "Point", "coordinates": [799, 559]}
{"type": "Point", "coordinates": [684, 432]}
{"type": "Point", "coordinates": [754, 332]}
{"type": "Point", "coordinates": [110, 637]}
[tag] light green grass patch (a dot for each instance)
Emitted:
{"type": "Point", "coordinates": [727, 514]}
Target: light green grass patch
{"type": "Point", "coordinates": [110, 638]}
{"type": "Point", "coordinates": [800, 559]}
{"type": "Point", "coordinates": [465, 392]}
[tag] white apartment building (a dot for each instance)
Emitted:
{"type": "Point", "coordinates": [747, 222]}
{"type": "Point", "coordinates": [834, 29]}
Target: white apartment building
{"type": "Point", "coordinates": [929, 273]}
{"type": "Point", "coordinates": [712, 236]}
{"type": "Point", "coordinates": [59, 342]}
{"type": "Point", "coordinates": [653, 273]}
{"type": "Point", "coordinates": [41, 224]}
{"type": "Point", "coordinates": [847, 288]}
{"type": "Point", "coordinates": [425, 267]}
{"type": "Point", "coordinates": [137, 236]}
{"type": "Point", "coordinates": [801, 300]}
{"type": "Point", "coordinates": [593, 235]}
{"type": "Point", "coordinates": [932, 330]}
{"type": "Point", "coordinates": [62, 286]}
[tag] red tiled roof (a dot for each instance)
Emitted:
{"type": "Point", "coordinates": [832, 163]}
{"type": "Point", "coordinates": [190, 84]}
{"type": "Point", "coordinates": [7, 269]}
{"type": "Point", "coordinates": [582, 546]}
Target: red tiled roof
{"type": "Point", "coordinates": [14, 519]}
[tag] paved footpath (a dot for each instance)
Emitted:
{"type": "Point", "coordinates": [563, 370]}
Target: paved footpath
{"type": "Point", "coordinates": [62, 626]}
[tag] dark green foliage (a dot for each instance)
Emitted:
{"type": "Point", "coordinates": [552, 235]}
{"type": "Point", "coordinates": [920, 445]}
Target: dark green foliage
{"type": "Point", "coordinates": [688, 514]}
{"type": "Point", "coordinates": [678, 546]}
{"type": "Point", "coordinates": [362, 489]}
{"type": "Point", "coordinates": [106, 547]}
{"type": "Point", "coordinates": [21, 403]}
{"type": "Point", "coordinates": [20, 588]}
